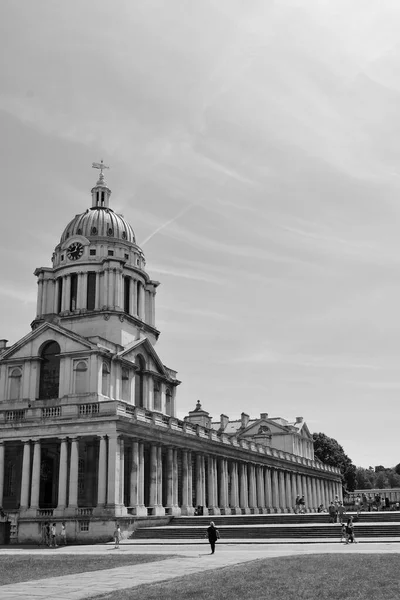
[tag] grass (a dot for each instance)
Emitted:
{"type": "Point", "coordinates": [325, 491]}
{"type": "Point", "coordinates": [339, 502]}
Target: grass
{"type": "Point", "coordinates": [14, 569]}
{"type": "Point", "coordinates": [312, 577]}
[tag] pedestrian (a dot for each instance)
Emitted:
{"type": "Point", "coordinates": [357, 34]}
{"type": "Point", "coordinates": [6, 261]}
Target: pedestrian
{"type": "Point", "coordinates": [343, 534]}
{"type": "Point", "coordinates": [213, 536]}
{"type": "Point", "coordinates": [53, 535]}
{"type": "Point", "coordinates": [357, 502]}
{"type": "Point", "coordinates": [302, 505]}
{"type": "Point", "coordinates": [117, 536]}
{"type": "Point", "coordinates": [48, 534]}
{"type": "Point", "coordinates": [63, 534]}
{"type": "Point", "coordinates": [332, 513]}
{"type": "Point", "coordinates": [340, 512]}
{"type": "Point", "coordinates": [350, 531]}
{"type": "Point", "coordinates": [297, 504]}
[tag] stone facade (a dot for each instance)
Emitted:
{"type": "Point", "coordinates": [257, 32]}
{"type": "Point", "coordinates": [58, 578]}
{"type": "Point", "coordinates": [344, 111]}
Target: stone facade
{"type": "Point", "coordinates": [88, 427]}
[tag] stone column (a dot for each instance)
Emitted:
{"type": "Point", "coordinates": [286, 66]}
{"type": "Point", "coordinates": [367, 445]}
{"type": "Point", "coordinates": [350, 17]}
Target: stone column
{"type": "Point", "coordinates": [73, 476]}
{"type": "Point", "coordinates": [170, 481]}
{"type": "Point", "coordinates": [211, 501]}
{"type": "Point", "coordinates": [268, 489]}
{"type": "Point", "coordinates": [275, 491]}
{"type": "Point", "coordinates": [114, 474]}
{"type": "Point", "coordinates": [56, 293]}
{"type": "Point", "coordinates": [252, 489]}
{"type": "Point", "coordinates": [1, 472]}
{"type": "Point", "coordinates": [310, 504]}
{"type": "Point", "coordinates": [84, 284]}
{"type": "Point", "coordinates": [160, 508]}
{"type": "Point", "coordinates": [119, 289]}
{"type": "Point", "coordinates": [141, 302]}
{"type": "Point", "coordinates": [97, 304]}
{"type": "Point", "coordinates": [177, 510]}
{"type": "Point", "coordinates": [136, 493]}
{"type": "Point", "coordinates": [289, 499]}
{"type": "Point", "coordinates": [62, 477]}
{"type": "Point", "coordinates": [39, 296]}
{"type": "Point", "coordinates": [314, 494]}
{"type": "Point", "coordinates": [282, 491]}
{"type": "Point", "coordinates": [67, 289]}
{"type": "Point", "coordinates": [102, 475]}
{"type": "Point", "coordinates": [260, 489]}
{"type": "Point", "coordinates": [141, 479]}
{"type": "Point", "coordinates": [35, 489]}
{"type": "Point", "coordinates": [234, 492]}
{"type": "Point", "coordinates": [223, 487]}
{"type": "Point", "coordinates": [199, 490]}
{"type": "Point", "coordinates": [121, 471]}
{"type": "Point", "coordinates": [185, 483]}
{"type": "Point", "coordinates": [26, 468]}
{"type": "Point", "coordinates": [243, 489]}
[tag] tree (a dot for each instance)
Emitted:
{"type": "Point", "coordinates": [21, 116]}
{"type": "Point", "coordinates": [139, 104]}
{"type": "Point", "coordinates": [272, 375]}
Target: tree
{"type": "Point", "coordinates": [330, 452]}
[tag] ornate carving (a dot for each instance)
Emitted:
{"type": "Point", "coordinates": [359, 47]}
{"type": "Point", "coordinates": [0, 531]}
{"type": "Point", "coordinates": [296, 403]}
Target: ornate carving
{"type": "Point", "coordinates": [106, 317]}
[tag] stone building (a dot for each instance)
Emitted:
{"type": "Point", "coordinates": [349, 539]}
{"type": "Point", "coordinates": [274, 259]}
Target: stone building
{"type": "Point", "coordinates": [88, 427]}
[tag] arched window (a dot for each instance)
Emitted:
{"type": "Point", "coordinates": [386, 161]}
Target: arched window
{"type": "Point", "coordinates": [139, 381]}
{"type": "Point", "coordinates": [126, 387]}
{"type": "Point", "coordinates": [105, 388]}
{"type": "Point", "coordinates": [81, 379]}
{"type": "Point", "coordinates": [168, 403]}
{"type": "Point", "coordinates": [157, 396]}
{"type": "Point", "coordinates": [49, 371]}
{"type": "Point", "coordinates": [15, 383]}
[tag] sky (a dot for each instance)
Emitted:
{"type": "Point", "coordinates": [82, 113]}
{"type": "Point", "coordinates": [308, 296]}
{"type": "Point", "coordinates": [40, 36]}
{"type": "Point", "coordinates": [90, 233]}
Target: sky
{"type": "Point", "coordinates": [254, 147]}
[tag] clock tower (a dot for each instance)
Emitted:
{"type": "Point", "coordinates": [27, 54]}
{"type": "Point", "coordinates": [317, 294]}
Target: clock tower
{"type": "Point", "coordinates": [97, 286]}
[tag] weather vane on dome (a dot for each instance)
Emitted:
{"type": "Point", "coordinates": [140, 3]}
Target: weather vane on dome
{"type": "Point", "coordinates": [100, 166]}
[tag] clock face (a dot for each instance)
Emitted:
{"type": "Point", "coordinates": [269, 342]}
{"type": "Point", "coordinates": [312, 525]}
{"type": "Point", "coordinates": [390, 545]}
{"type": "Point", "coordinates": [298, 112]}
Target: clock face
{"type": "Point", "coordinates": [75, 251]}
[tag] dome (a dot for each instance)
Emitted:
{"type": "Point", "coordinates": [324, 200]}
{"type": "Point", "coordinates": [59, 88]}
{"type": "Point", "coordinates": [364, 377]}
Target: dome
{"type": "Point", "coordinates": [98, 223]}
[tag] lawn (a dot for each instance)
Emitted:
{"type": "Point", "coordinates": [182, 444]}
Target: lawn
{"type": "Point", "coordinates": [315, 577]}
{"type": "Point", "coordinates": [14, 569]}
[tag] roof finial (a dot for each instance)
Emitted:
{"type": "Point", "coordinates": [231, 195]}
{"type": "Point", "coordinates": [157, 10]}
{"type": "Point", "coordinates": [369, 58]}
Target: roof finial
{"type": "Point", "coordinates": [100, 166]}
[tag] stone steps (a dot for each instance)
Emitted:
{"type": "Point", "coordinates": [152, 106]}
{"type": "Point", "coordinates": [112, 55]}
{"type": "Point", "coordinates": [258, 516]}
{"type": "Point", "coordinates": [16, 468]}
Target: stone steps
{"type": "Point", "coordinates": [283, 526]}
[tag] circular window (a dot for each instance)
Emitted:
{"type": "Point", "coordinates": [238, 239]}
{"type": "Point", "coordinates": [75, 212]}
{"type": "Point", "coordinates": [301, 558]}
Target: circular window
{"type": "Point", "coordinates": [94, 230]}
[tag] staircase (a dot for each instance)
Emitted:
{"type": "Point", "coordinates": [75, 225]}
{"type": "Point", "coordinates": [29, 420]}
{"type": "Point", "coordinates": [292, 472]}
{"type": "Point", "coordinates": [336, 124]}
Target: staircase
{"type": "Point", "coordinates": [276, 527]}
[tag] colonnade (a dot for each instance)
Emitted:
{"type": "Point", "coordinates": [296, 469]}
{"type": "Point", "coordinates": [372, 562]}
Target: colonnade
{"type": "Point", "coordinates": [140, 478]}
{"type": "Point", "coordinates": [54, 295]}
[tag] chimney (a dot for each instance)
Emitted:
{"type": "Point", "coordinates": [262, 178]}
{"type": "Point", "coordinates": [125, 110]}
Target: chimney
{"type": "Point", "coordinates": [299, 419]}
{"type": "Point", "coordinates": [3, 344]}
{"type": "Point", "coordinates": [224, 422]}
{"type": "Point", "coordinates": [263, 415]}
{"type": "Point", "coordinates": [245, 419]}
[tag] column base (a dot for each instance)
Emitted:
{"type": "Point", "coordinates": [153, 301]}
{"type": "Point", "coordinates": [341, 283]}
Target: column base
{"type": "Point", "coordinates": [236, 510]}
{"type": "Point", "coordinates": [175, 511]}
{"type": "Point", "coordinates": [225, 510]}
{"type": "Point", "coordinates": [214, 510]}
{"type": "Point", "coordinates": [246, 511]}
{"type": "Point", "coordinates": [59, 511]}
{"type": "Point", "coordinates": [264, 510]}
{"type": "Point", "coordinates": [156, 511]}
{"type": "Point", "coordinates": [255, 510]}
{"type": "Point", "coordinates": [187, 511]}
{"type": "Point", "coordinates": [115, 510]}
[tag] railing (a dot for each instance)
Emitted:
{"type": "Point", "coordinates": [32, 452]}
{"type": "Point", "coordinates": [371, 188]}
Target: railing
{"type": "Point", "coordinates": [15, 415]}
{"type": "Point", "coordinates": [84, 512]}
{"type": "Point", "coordinates": [45, 512]}
{"type": "Point", "coordinates": [52, 411]}
{"type": "Point", "coordinates": [89, 409]}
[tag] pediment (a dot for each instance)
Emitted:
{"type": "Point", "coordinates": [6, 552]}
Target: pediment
{"type": "Point", "coordinates": [254, 427]}
{"type": "Point", "coordinates": [32, 344]}
{"type": "Point", "coordinates": [146, 350]}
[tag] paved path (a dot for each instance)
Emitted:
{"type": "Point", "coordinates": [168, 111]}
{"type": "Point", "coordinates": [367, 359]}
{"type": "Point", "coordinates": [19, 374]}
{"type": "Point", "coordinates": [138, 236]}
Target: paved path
{"type": "Point", "coordinates": [190, 560]}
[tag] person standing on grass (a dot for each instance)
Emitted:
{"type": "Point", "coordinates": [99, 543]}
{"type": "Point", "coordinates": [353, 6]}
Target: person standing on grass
{"type": "Point", "coordinates": [63, 534]}
{"type": "Point", "coordinates": [117, 536]}
{"type": "Point", "coordinates": [213, 536]}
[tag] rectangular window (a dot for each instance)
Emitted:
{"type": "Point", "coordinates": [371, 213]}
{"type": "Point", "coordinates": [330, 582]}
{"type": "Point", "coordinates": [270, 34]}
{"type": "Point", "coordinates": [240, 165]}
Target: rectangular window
{"type": "Point", "coordinates": [91, 291]}
{"type": "Point", "coordinates": [127, 287]}
{"type": "Point", "coordinates": [92, 251]}
{"type": "Point", "coordinates": [111, 253]}
{"type": "Point", "coordinates": [84, 525]}
{"type": "Point", "coordinates": [74, 292]}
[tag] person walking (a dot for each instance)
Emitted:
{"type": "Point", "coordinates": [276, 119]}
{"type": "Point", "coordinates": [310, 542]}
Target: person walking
{"type": "Point", "coordinates": [117, 536]}
{"type": "Point", "coordinates": [302, 505]}
{"type": "Point", "coordinates": [63, 534]}
{"type": "Point", "coordinates": [213, 536]}
{"type": "Point", "coordinates": [297, 504]}
{"type": "Point", "coordinates": [332, 513]}
{"type": "Point", "coordinates": [350, 531]}
{"type": "Point", "coordinates": [340, 512]}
